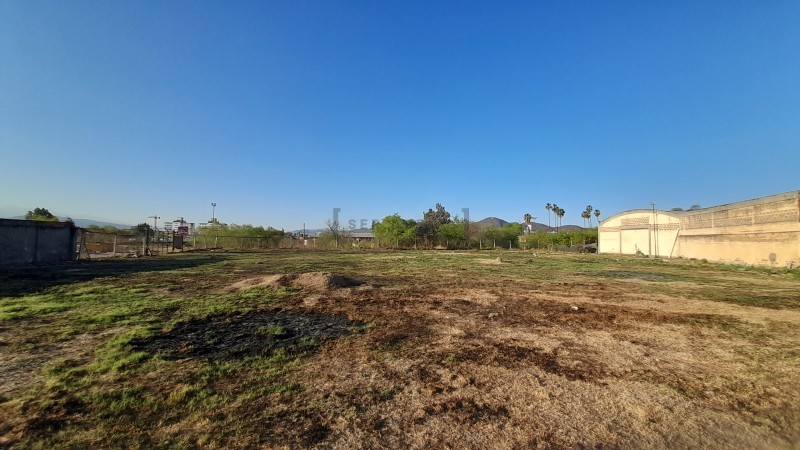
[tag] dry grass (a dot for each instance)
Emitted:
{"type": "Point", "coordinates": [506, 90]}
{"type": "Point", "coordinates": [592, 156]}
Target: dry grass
{"type": "Point", "coordinates": [446, 350]}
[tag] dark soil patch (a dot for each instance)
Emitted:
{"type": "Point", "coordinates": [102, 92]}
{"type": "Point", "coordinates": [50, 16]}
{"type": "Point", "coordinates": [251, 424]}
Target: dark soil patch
{"type": "Point", "coordinates": [237, 336]}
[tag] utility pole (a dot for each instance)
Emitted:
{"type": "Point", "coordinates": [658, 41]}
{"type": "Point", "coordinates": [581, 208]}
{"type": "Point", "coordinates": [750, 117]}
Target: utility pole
{"type": "Point", "coordinates": [155, 218]}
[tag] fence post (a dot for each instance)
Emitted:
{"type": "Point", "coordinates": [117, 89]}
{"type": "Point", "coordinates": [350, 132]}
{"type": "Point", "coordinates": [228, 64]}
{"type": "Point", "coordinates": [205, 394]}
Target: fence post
{"type": "Point", "coordinates": [114, 250]}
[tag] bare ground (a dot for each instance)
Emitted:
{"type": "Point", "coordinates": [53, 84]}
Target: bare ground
{"type": "Point", "coordinates": [473, 354]}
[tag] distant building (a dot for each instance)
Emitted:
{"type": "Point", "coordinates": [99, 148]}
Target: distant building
{"type": "Point", "coordinates": [361, 234]}
{"type": "Point", "coordinates": [180, 226]}
{"type": "Point", "coordinates": [208, 224]}
{"type": "Point", "coordinates": [763, 231]}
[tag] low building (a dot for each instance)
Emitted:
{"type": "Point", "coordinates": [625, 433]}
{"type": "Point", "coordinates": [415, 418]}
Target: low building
{"type": "Point", "coordinates": [763, 231]}
{"type": "Point", "coordinates": [180, 226]}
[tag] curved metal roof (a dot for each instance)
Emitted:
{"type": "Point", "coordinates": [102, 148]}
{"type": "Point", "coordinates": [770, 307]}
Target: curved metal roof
{"type": "Point", "coordinates": [675, 214]}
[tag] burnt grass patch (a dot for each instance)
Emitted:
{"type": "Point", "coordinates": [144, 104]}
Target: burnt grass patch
{"type": "Point", "coordinates": [648, 276]}
{"type": "Point", "coordinates": [258, 333]}
{"type": "Point", "coordinates": [466, 410]}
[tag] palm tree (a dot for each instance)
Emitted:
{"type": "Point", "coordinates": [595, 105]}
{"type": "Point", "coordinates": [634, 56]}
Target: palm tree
{"type": "Point", "coordinates": [554, 208]}
{"type": "Point", "coordinates": [561, 213]}
{"type": "Point", "coordinates": [597, 214]}
{"type": "Point", "coordinates": [527, 219]}
{"type": "Point", "coordinates": [549, 208]}
{"type": "Point", "coordinates": [588, 212]}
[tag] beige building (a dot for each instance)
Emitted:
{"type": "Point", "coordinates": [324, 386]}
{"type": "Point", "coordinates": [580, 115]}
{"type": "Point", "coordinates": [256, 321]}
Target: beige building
{"type": "Point", "coordinates": [764, 231]}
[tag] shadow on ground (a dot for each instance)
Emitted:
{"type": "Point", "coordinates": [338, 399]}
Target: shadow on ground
{"type": "Point", "coordinates": [22, 280]}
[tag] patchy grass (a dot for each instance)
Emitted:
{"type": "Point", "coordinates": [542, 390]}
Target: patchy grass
{"type": "Point", "coordinates": [422, 349]}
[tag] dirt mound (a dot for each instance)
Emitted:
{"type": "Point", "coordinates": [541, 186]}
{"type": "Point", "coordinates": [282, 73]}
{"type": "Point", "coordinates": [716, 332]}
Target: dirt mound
{"type": "Point", "coordinates": [260, 282]}
{"type": "Point", "coordinates": [257, 333]}
{"type": "Point", "coordinates": [323, 280]}
{"type": "Point", "coordinates": [318, 281]}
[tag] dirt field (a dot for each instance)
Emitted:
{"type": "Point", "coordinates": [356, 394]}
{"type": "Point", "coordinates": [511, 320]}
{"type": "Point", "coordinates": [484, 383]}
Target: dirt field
{"type": "Point", "coordinates": [291, 349]}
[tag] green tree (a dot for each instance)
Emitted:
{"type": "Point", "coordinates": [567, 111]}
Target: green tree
{"type": "Point", "coordinates": [597, 216]}
{"type": "Point", "coordinates": [41, 214]}
{"type": "Point", "coordinates": [395, 230]}
{"type": "Point", "coordinates": [142, 229]}
{"type": "Point", "coordinates": [452, 233]}
{"type": "Point", "coordinates": [431, 221]}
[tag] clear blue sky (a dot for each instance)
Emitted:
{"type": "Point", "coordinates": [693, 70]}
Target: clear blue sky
{"type": "Point", "coordinates": [279, 111]}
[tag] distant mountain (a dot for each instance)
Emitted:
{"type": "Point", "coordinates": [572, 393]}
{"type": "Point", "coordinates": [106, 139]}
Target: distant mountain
{"type": "Point", "coordinates": [9, 212]}
{"type": "Point", "coordinates": [490, 222]}
{"type": "Point", "coordinates": [541, 227]}
{"type": "Point", "coordinates": [15, 212]}
{"type": "Point", "coordinates": [83, 223]}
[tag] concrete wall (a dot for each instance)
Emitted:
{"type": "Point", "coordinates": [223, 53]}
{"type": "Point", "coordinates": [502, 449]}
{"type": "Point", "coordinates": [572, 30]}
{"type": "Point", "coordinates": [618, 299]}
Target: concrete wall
{"type": "Point", "coordinates": [27, 241]}
{"type": "Point", "coordinates": [764, 231]}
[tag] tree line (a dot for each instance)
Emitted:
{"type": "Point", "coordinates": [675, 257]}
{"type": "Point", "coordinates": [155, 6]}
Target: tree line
{"type": "Point", "coordinates": [438, 229]}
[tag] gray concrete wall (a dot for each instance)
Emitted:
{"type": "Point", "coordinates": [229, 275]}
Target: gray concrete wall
{"type": "Point", "coordinates": [34, 242]}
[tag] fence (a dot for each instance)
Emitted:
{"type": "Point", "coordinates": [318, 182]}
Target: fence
{"type": "Point", "coordinates": [205, 242]}
{"type": "Point", "coordinates": [99, 244]}
{"type": "Point", "coordinates": [33, 242]}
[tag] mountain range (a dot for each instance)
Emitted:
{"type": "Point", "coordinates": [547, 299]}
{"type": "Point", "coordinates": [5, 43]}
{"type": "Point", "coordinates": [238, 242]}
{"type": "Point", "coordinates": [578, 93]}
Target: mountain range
{"type": "Point", "coordinates": [13, 212]}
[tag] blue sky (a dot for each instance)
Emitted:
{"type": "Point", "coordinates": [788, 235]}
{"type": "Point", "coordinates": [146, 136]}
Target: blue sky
{"type": "Point", "coordinates": [279, 111]}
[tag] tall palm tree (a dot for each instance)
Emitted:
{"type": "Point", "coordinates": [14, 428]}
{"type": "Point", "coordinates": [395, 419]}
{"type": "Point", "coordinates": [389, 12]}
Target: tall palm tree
{"type": "Point", "coordinates": [597, 215]}
{"type": "Point", "coordinates": [549, 208]}
{"type": "Point", "coordinates": [560, 213]}
{"type": "Point", "coordinates": [588, 212]}
{"type": "Point", "coordinates": [527, 219]}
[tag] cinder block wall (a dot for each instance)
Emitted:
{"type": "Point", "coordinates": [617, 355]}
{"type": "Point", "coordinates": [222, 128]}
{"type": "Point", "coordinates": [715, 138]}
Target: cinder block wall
{"type": "Point", "coordinates": [763, 232]}
{"type": "Point", "coordinates": [33, 242]}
